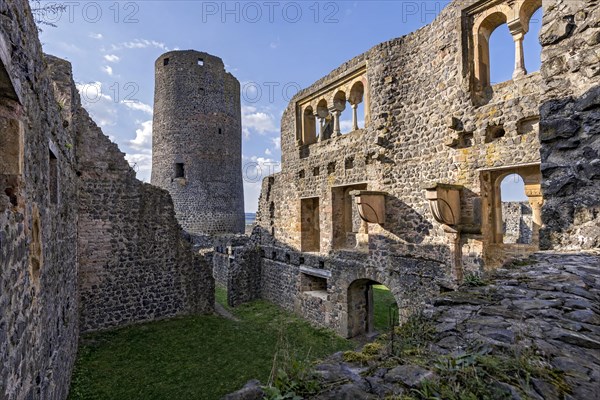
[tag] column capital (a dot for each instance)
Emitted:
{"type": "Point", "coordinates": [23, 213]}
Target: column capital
{"type": "Point", "coordinates": [516, 28]}
{"type": "Point", "coordinates": [536, 201]}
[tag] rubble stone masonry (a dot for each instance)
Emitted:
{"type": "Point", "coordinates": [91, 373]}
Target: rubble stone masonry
{"type": "Point", "coordinates": [83, 244]}
{"type": "Point", "coordinates": [432, 120]}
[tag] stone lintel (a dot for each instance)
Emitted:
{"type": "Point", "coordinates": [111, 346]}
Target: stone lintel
{"type": "Point", "coordinates": [321, 273]}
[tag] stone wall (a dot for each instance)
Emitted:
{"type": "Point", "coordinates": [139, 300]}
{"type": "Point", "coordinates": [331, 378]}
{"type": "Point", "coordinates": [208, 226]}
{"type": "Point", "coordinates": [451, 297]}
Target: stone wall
{"type": "Point", "coordinates": [237, 266]}
{"type": "Point", "coordinates": [443, 126]}
{"type": "Point", "coordinates": [421, 128]}
{"type": "Point", "coordinates": [518, 222]}
{"type": "Point", "coordinates": [134, 263]}
{"type": "Point", "coordinates": [570, 127]}
{"type": "Point", "coordinates": [401, 147]}
{"type": "Point", "coordinates": [38, 219]}
{"type": "Point", "coordinates": [83, 244]}
{"type": "Point", "coordinates": [197, 142]}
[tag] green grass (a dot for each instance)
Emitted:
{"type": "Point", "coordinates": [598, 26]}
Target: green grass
{"type": "Point", "coordinates": [382, 299]}
{"type": "Point", "coordinates": [221, 296]}
{"type": "Point", "coordinates": [197, 357]}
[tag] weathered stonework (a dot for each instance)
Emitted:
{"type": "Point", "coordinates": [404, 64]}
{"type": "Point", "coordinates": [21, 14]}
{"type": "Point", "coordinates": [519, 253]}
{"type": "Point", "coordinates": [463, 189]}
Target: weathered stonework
{"type": "Point", "coordinates": [38, 219]}
{"type": "Point", "coordinates": [197, 142]}
{"type": "Point", "coordinates": [429, 137]}
{"type": "Point", "coordinates": [236, 265]}
{"type": "Point", "coordinates": [537, 312]}
{"type": "Point", "coordinates": [83, 244]}
{"type": "Point", "coordinates": [518, 222]}
{"type": "Point", "coordinates": [82, 240]}
{"type": "Point", "coordinates": [570, 127]}
{"type": "Point", "coordinates": [134, 263]}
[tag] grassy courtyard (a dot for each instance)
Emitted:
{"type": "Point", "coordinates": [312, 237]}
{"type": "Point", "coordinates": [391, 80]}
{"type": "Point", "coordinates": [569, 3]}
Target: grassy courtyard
{"type": "Point", "coordinates": [382, 301]}
{"type": "Point", "coordinates": [198, 357]}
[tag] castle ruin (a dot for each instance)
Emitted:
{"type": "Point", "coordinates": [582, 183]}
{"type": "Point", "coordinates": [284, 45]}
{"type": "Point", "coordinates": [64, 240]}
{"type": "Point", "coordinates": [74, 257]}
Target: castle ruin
{"type": "Point", "coordinates": [409, 198]}
{"type": "Point", "coordinates": [84, 245]}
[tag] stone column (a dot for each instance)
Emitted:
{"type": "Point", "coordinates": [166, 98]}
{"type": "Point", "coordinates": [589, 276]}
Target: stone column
{"type": "Point", "coordinates": [321, 126]}
{"type": "Point", "coordinates": [536, 203]}
{"type": "Point", "coordinates": [336, 123]}
{"type": "Point", "coordinates": [453, 236]}
{"type": "Point", "coordinates": [518, 33]}
{"type": "Point", "coordinates": [519, 56]}
{"type": "Point", "coordinates": [354, 117]}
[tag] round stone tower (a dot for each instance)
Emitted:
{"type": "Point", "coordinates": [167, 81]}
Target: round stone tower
{"type": "Point", "coordinates": [197, 141]}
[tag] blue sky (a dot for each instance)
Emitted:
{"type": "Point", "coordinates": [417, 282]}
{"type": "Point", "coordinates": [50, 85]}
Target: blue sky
{"type": "Point", "coordinates": [275, 46]}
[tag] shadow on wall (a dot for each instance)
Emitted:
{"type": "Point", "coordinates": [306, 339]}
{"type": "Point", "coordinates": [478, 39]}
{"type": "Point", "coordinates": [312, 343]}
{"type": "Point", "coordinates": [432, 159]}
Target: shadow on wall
{"type": "Point", "coordinates": [570, 148]}
{"type": "Point", "coordinates": [405, 222]}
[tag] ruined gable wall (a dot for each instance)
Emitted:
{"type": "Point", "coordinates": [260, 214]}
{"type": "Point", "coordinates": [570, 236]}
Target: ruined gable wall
{"type": "Point", "coordinates": [134, 263]}
{"type": "Point", "coordinates": [415, 83]}
{"type": "Point", "coordinates": [517, 222]}
{"type": "Point", "coordinates": [38, 244]}
{"type": "Point", "coordinates": [570, 128]}
{"type": "Point", "coordinates": [404, 145]}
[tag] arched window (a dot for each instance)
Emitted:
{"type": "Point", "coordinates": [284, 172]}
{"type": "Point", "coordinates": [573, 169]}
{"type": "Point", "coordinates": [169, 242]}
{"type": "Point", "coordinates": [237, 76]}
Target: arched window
{"type": "Point", "coordinates": [482, 30]}
{"type": "Point", "coordinates": [309, 131]}
{"type": "Point", "coordinates": [325, 120]}
{"type": "Point", "coordinates": [502, 38]}
{"type": "Point", "coordinates": [357, 102]}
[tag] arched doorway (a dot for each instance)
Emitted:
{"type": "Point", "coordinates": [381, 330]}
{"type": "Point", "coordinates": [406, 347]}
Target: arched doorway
{"type": "Point", "coordinates": [510, 190]}
{"type": "Point", "coordinates": [372, 308]}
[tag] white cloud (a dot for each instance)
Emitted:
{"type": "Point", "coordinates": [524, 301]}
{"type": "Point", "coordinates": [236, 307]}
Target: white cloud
{"type": "Point", "coordinates": [275, 44]}
{"type": "Point", "coordinates": [97, 36]}
{"type": "Point", "coordinates": [111, 58]}
{"type": "Point", "coordinates": [254, 170]}
{"type": "Point", "coordinates": [108, 69]}
{"type": "Point", "coordinates": [91, 92]}
{"type": "Point", "coordinates": [138, 106]}
{"type": "Point", "coordinates": [141, 164]}
{"type": "Point", "coordinates": [277, 142]}
{"type": "Point", "coordinates": [139, 44]}
{"type": "Point", "coordinates": [257, 121]}
{"type": "Point", "coordinates": [346, 125]}
{"type": "Point", "coordinates": [143, 138]}
{"type": "Point", "coordinates": [101, 106]}
{"type": "Point", "coordinates": [268, 152]}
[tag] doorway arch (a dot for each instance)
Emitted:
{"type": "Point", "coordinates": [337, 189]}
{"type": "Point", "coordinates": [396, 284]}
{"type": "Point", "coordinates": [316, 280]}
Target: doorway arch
{"type": "Point", "coordinates": [368, 301]}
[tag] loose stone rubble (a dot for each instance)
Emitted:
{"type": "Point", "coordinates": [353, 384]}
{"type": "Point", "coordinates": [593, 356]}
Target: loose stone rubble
{"type": "Point", "coordinates": [547, 304]}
